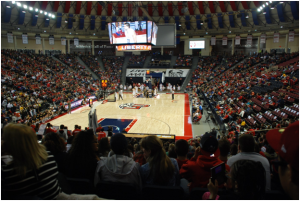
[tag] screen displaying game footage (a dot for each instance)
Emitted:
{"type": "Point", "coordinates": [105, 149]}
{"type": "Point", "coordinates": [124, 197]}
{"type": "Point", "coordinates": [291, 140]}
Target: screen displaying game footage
{"type": "Point", "coordinates": [138, 32]}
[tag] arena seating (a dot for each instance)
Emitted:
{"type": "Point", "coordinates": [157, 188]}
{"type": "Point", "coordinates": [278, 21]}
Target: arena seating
{"type": "Point", "coordinates": [136, 61]}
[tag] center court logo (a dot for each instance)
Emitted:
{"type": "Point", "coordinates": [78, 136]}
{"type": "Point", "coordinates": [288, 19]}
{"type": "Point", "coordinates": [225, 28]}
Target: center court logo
{"type": "Point", "coordinates": [132, 106]}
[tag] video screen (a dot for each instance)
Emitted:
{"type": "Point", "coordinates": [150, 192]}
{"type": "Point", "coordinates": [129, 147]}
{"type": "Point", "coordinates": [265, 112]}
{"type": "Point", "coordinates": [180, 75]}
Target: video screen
{"type": "Point", "coordinates": [109, 32]}
{"type": "Point", "coordinates": [149, 31]}
{"type": "Point", "coordinates": [197, 44]}
{"type": "Point", "coordinates": [154, 34]}
{"type": "Point", "coordinates": [129, 32]}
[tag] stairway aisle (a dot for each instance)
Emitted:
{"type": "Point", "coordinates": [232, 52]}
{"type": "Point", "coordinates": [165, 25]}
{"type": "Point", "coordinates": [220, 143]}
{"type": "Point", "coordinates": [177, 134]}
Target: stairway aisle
{"type": "Point", "coordinates": [147, 61]}
{"type": "Point", "coordinates": [124, 67]}
{"type": "Point", "coordinates": [87, 68]}
{"type": "Point", "coordinates": [190, 73]}
{"type": "Point", "coordinates": [100, 62]}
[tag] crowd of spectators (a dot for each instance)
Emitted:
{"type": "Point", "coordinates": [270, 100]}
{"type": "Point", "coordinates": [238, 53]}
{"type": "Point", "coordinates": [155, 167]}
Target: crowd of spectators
{"type": "Point", "coordinates": [113, 69]}
{"type": "Point", "coordinates": [185, 61]}
{"type": "Point", "coordinates": [136, 60]}
{"type": "Point", "coordinates": [160, 60]}
{"type": "Point", "coordinates": [255, 161]}
{"type": "Point", "coordinates": [35, 88]}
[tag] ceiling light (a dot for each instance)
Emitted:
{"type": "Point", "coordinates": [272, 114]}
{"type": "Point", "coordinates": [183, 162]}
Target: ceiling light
{"type": "Point", "coordinates": [281, 2]}
{"type": "Point", "coordinates": [47, 18]}
{"type": "Point", "coordinates": [41, 11]}
{"type": "Point", "coordinates": [267, 3]}
{"type": "Point", "coordinates": [53, 16]}
{"type": "Point", "coordinates": [247, 16]}
{"type": "Point", "coordinates": [66, 21]}
{"type": "Point", "coordinates": [25, 6]}
{"type": "Point", "coordinates": [70, 33]}
{"type": "Point", "coordinates": [94, 34]}
{"type": "Point", "coordinates": [264, 5]}
{"type": "Point", "coordinates": [255, 30]}
{"type": "Point", "coordinates": [261, 8]}
{"type": "Point", "coordinates": [45, 13]}
{"type": "Point", "coordinates": [206, 32]}
{"type": "Point", "coordinates": [229, 31]}
{"type": "Point", "coordinates": [13, 2]}
{"type": "Point", "coordinates": [7, 6]}
{"type": "Point", "coordinates": [201, 23]}
{"type": "Point", "coordinates": [281, 26]}
{"type": "Point", "coordinates": [270, 1]}
{"type": "Point", "coordinates": [258, 10]}
{"type": "Point", "coordinates": [18, 4]}
{"type": "Point", "coordinates": [272, 8]}
{"type": "Point", "coordinates": [36, 15]}
{"type": "Point", "coordinates": [179, 25]}
{"type": "Point", "coordinates": [45, 31]}
{"type": "Point", "coordinates": [36, 10]}
{"type": "Point", "coordinates": [30, 8]}
{"type": "Point", "coordinates": [23, 11]}
{"type": "Point", "coordinates": [264, 13]}
{"type": "Point", "coordinates": [183, 33]}
{"type": "Point", "coordinates": [18, 28]}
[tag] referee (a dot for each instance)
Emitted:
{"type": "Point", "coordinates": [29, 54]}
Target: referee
{"type": "Point", "coordinates": [121, 94]}
{"type": "Point", "coordinates": [172, 94]}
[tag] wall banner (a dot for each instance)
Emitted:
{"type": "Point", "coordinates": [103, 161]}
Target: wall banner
{"type": "Point", "coordinates": [276, 38]}
{"type": "Point", "coordinates": [263, 38]}
{"type": "Point", "coordinates": [24, 38]}
{"type": "Point", "coordinates": [10, 38]}
{"type": "Point", "coordinates": [224, 41]}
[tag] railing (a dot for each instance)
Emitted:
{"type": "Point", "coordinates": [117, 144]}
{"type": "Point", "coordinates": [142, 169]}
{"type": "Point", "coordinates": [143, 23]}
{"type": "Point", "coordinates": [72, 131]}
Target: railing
{"type": "Point", "coordinates": [218, 119]}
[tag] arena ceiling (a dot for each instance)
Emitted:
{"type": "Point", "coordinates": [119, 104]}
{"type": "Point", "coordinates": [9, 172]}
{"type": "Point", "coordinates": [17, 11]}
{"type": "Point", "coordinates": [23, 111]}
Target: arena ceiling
{"type": "Point", "coordinates": [192, 18]}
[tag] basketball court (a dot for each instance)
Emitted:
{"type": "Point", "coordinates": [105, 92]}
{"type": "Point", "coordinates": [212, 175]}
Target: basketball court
{"type": "Point", "coordinates": [159, 115]}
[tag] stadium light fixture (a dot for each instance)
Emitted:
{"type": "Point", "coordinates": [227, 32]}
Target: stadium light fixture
{"type": "Point", "coordinates": [13, 2]}
{"type": "Point", "coordinates": [264, 5]}
{"type": "Point", "coordinates": [281, 27]}
{"type": "Point", "coordinates": [94, 34]}
{"type": "Point", "coordinates": [281, 2]}
{"type": "Point", "coordinates": [53, 16]}
{"type": "Point", "coordinates": [258, 10]}
{"type": "Point", "coordinates": [23, 11]}
{"type": "Point", "coordinates": [272, 8]}
{"type": "Point", "coordinates": [19, 4]}
{"type": "Point", "coordinates": [229, 31]}
{"type": "Point", "coordinates": [41, 11]}
{"type": "Point", "coordinates": [45, 31]}
{"type": "Point", "coordinates": [30, 8]}
{"type": "Point", "coordinates": [25, 6]}
{"type": "Point", "coordinates": [247, 16]}
{"type": "Point", "coordinates": [45, 13]}
{"type": "Point", "coordinates": [183, 33]}
{"type": "Point", "coordinates": [270, 1]}
{"type": "Point", "coordinates": [70, 33]}
{"type": "Point", "coordinates": [206, 32]}
{"type": "Point", "coordinates": [18, 28]}
{"type": "Point", "coordinates": [36, 10]}
{"type": "Point", "coordinates": [267, 3]}
{"type": "Point", "coordinates": [179, 25]}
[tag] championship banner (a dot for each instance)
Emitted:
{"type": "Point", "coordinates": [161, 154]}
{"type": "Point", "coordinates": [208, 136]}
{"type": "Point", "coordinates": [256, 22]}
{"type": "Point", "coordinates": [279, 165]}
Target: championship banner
{"type": "Point", "coordinates": [10, 38]}
{"type": "Point", "coordinates": [263, 38]}
{"type": "Point", "coordinates": [63, 40]}
{"type": "Point", "coordinates": [51, 40]}
{"type": "Point", "coordinates": [224, 41]}
{"type": "Point", "coordinates": [276, 38]}
{"type": "Point", "coordinates": [76, 41]}
{"type": "Point", "coordinates": [24, 38]}
{"type": "Point", "coordinates": [291, 36]}
{"type": "Point", "coordinates": [213, 41]}
{"type": "Point", "coordinates": [249, 40]}
{"type": "Point", "coordinates": [237, 40]}
{"type": "Point", "coordinates": [38, 40]}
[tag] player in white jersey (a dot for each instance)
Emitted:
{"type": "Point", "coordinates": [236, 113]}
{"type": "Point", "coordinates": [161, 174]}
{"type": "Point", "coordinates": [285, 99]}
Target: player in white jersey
{"type": "Point", "coordinates": [178, 87]}
{"type": "Point", "coordinates": [136, 90]}
{"type": "Point", "coordinates": [155, 91]}
{"type": "Point", "coordinates": [133, 91]}
{"type": "Point", "coordinates": [130, 34]}
{"type": "Point", "coordinates": [174, 88]}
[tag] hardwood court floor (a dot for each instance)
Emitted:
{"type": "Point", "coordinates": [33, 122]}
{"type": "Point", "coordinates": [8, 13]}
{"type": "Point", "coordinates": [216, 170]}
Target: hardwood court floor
{"type": "Point", "coordinates": [163, 116]}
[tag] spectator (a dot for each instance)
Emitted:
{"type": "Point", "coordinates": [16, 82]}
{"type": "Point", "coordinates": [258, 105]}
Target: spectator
{"type": "Point", "coordinates": [139, 155]}
{"type": "Point", "coordinates": [247, 182]}
{"type": "Point", "coordinates": [62, 133]}
{"type": "Point", "coordinates": [57, 147]}
{"type": "Point", "coordinates": [171, 152]}
{"type": "Point", "coordinates": [197, 170]}
{"type": "Point", "coordinates": [246, 148]}
{"type": "Point", "coordinates": [159, 169]}
{"type": "Point", "coordinates": [182, 149]}
{"type": "Point", "coordinates": [224, 146]}
{"type": "Point", "coordinates": [81, 160]}
{"type": "Point", "coordinates": [49, 129]}
{"type": "Point", "coordinates": [33, 169]}
{"type": "Point", "coordinates": [109, 131]}
{"type": "Point", "coordinates": [69, 142]}
{"type": "Point", "coordinates": [76, 130]}
{"type": "Point", "coordinates": [119, 167]}
{"type": "Point", "coordinates": [286, 144]}
{"type": "Point", "coordinates": [104, 147]}
{"type": "Point", "coordinates": [233, 150]}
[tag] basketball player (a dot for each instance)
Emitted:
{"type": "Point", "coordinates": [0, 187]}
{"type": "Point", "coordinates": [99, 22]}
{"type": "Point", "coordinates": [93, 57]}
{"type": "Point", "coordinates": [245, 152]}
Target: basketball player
{"type": "Point", "coordinates": [129, 34]}
{"type": "Point", "coordinates": [172, 95]}
{"type": "Point", "coordinates": [116, 95]}
{"type": "Point", "coordinates": [155, 91]}
{"type": "Point", "coordinates": [133, 91]}
{"type": "Point", "coordinates": [136, 90]}
{"type": "Point", "coordinates": [174, 89]}
{"type": "Point", "coordinates": [121, 94]}
{"type": "Point", "coordinates": [69, 107]}
{"type": "Point", "coordinates": [178, 87]}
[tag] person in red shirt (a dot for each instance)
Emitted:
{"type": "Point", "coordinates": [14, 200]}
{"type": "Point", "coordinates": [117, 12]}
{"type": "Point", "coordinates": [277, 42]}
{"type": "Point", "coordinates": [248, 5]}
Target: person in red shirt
{"type": "Point", "coordinates": [251, 131]}
{"type": "Point", "coordinates": [181, 149]}
{"type": "Point", "coordinates": [77, 130]}
{"type": "Point", "coordinates": [49, 129]}
{"type": "Point", "coordinates": [99, 128]}
{"type": "Point", "coordinates": [197, 170]}
{"type": "Point", "coordinates": [101, 134]}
